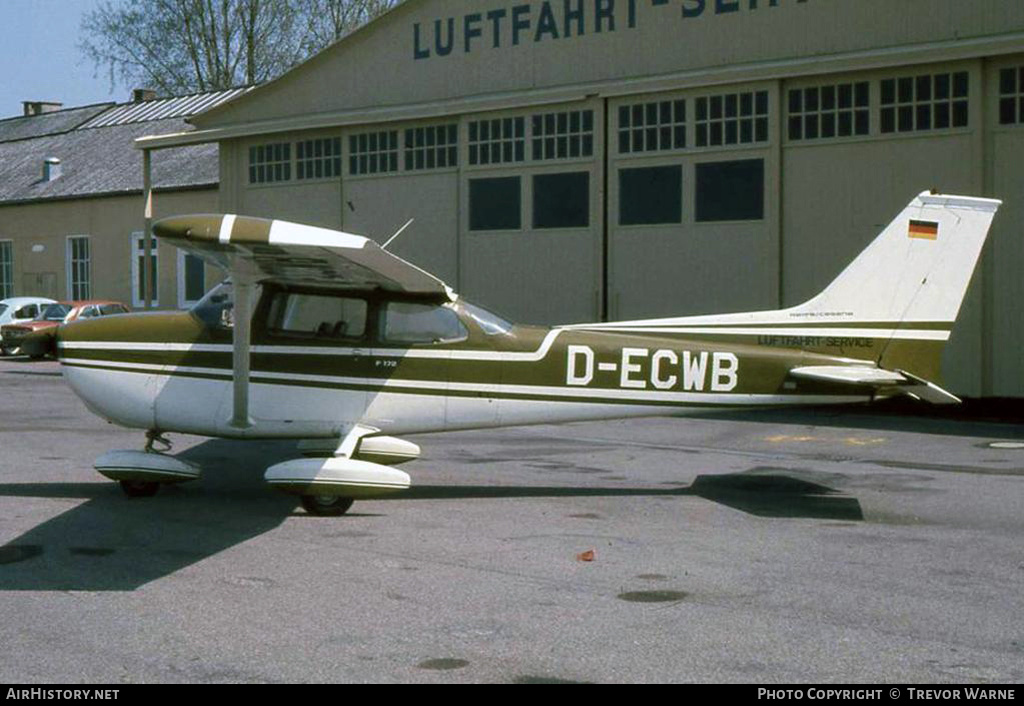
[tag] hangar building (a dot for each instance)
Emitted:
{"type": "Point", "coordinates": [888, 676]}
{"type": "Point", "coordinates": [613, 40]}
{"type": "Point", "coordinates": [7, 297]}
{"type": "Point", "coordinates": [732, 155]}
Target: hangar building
{"type": "Point", "coordinates": [571, 160]}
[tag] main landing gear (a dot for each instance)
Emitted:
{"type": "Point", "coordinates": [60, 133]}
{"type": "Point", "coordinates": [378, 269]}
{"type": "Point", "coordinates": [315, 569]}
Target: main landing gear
{"type": "Point", "coordinates": [327, 487]}
{"type": "Point", "coordinates": [326, 505]}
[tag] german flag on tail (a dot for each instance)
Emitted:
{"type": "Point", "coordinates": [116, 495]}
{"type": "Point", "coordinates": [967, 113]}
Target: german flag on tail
{"type": "Point", "coordinates": [926, 230]}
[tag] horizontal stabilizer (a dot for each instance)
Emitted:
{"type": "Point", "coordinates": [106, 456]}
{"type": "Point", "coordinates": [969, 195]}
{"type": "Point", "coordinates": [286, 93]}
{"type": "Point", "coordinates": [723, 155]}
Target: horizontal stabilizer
{"type": "Point", "coordinates": [898, 381]}
{"type": "Point", "coordinates": [851, 374]}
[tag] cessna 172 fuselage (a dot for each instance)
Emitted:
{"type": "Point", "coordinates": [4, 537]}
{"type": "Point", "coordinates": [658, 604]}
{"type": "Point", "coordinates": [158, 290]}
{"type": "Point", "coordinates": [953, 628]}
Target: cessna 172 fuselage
{"type": "Point", "coordinates": [325, 336]}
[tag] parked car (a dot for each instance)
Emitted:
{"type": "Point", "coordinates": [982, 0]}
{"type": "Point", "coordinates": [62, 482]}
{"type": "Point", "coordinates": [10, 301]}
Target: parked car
{"type": "Point", "coordinates": [37, 338]}
{"type": "Point", "coordinates": [17, 310]}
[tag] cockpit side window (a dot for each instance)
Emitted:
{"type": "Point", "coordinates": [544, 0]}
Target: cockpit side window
{"type": "Point", "coordinates": [406, 322]}
{"type": "Point", "coordinates": [317, 315]}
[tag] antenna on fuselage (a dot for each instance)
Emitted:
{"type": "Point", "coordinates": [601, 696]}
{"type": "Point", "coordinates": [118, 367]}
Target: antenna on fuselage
{"type": "Point", "coordinates": [400, 231]}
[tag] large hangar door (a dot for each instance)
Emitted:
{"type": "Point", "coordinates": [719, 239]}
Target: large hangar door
{"type": "Point", "coordinates": [692, 220]}
{"type": "Point", "coordinates": [531, 199]}
{"type": "Point", "coordinates": [378, 206]}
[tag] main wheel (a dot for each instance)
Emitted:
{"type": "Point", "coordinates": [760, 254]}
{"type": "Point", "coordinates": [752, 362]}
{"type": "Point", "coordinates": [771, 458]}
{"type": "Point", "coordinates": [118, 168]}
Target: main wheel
{"type": "Point", "coordinates": [139, 488]}
{"type": "Point", "coordinates": [326, 505]}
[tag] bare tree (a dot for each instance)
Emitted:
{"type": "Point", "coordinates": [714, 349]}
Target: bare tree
{"type": "Point", "coordinates": [182, 46]}
{"type": "Point", "coordinates": [330, 20]}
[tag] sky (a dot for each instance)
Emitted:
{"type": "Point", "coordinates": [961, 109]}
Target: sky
{"type": "Point", "coordinates": [40, 59]}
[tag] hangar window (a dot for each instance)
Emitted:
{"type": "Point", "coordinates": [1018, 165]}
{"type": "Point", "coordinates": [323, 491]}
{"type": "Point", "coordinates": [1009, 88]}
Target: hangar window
{"type": "Point", "coordinates": [732, 119]}
{"type": "Point", "coordinates": [1011, 96]}
{"type": "Point", "coordinates": [561, 200]}
{"type": "Point", "coordinates": [730, 191]}
{"type": "Point", "coordinates": [651, 195]}
{"type": "Point", "coordinates": [373, 152]}
{"type": "Point", "coordinates": [432, 147]}
{"type": "Point", "coordinates": [563, 135]}
{"type": "Point", "coordinates": [497, 141]}
{"type": "Point", "coordinates": [495, 204]}
{"type": "Point", "coordinates": [648, 127]}
{"type": "Point", "coordinates": [6, 269]}
{"type": "Point", "coordinates": [270, 163]}
{"type": "Point", "coordinates": [930, 102]}
{"type": "Point", "coordinates": [829, 111]}
{"type": "Point", "coordinates": [318, 159]}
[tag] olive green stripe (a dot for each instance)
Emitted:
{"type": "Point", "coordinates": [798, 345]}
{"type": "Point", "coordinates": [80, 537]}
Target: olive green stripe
{"type": "Point", "coordinates": [392, 389]}
{"type": "Point", "coordinates": [898, 325]}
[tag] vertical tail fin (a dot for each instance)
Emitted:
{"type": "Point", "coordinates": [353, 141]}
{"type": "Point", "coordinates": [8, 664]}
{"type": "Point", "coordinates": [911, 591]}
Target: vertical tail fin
{"type": "Point", "coordinates": [917, 271]}
{"type": "Point", "coordinates": [894, 305]}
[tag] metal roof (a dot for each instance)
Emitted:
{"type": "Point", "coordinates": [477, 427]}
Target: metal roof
{"type": "Point", "coordinates": [101, 161]}
{"type": "Point", "coordinates": [29, 126]}
{"type": "Point", "coordinates": [95, 145]}
{"type": "Point", "coordinates": [161, 108]}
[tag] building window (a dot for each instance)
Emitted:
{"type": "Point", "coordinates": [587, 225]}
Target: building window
{"type": "Point", "coordinates": [78, 267]}
{"type": "Point", "coordinates": [561, 200]}
{"type": "Point", "coordinates": [648, 127]}
{"type": "Point", "coordinates": [732, 119]}
{"type": "Point", "coordinates": [138, 271]}
{"type": "Point", "coordinates": [495, 204]}
{"type": "Point", "coordinates": [650, 195]}
{"type": "Point", "coordinates": [191, 279]}
{"type": "Point", "coordinates": [931, 102]}
{"type": "Point", "coordinates": [1011, 96]}
{"type": "Point", "coordinates": [373, 152]}
{"type": "Point", "coordinates": [498, 141]}
{"type": "Point", "coordinates": [270, 163]}
{"type": "Point", "coordinates": [730, 191]}
{"type": "Point", "coordinates": [829, 111]}
{"type": "Point", "coordinates": [565, 135]}
{"type": "Point", "coordinates": [432, 147]}
{"type": "Point", "coordinates": [6, 269]}
{"type": "Point", "coordinates": [318, 159]}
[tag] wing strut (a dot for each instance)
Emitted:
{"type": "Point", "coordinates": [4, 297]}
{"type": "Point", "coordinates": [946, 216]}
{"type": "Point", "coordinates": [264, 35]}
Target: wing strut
{"type": "Point", "coordinates": [243, 284]}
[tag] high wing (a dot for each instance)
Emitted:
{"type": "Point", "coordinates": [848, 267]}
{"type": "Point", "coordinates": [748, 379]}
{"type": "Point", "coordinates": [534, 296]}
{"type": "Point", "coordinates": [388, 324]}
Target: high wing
{"type": "Point", "coordinates": [254, 250]}
{"type": "Point", "coordinates": [272, 250]}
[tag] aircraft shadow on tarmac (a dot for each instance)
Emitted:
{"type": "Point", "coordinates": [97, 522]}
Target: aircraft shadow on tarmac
{"type": "Point", "coordinates": [111, 543]}
{"type": "Point", "coordinates": [975, 418]}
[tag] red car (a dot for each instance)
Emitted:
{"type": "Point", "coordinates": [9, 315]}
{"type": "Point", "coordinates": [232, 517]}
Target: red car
{"type": "Point", "coordinates": [37, 338]}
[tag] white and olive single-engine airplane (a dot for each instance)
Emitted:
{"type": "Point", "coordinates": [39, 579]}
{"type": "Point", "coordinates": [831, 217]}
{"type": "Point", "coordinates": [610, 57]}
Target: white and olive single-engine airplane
{"type": "Point", "coordinates": [326, 338]}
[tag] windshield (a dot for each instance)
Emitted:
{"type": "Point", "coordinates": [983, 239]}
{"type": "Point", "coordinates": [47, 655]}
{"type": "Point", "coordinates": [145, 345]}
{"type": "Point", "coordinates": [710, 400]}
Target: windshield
{"type": "Point", "coordinates": [491, 323]}
{"type": "Point", "coordinates": [55, 312]}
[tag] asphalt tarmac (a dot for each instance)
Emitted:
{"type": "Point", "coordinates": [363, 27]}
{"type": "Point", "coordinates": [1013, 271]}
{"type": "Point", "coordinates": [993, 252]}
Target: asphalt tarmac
{"type": "Point", "coordinates": [798, 547]}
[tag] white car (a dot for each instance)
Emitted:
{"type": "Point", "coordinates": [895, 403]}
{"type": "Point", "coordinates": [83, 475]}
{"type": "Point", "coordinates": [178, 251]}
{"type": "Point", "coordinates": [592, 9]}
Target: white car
{"type": "Point", "coordinates": [19, 309]}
